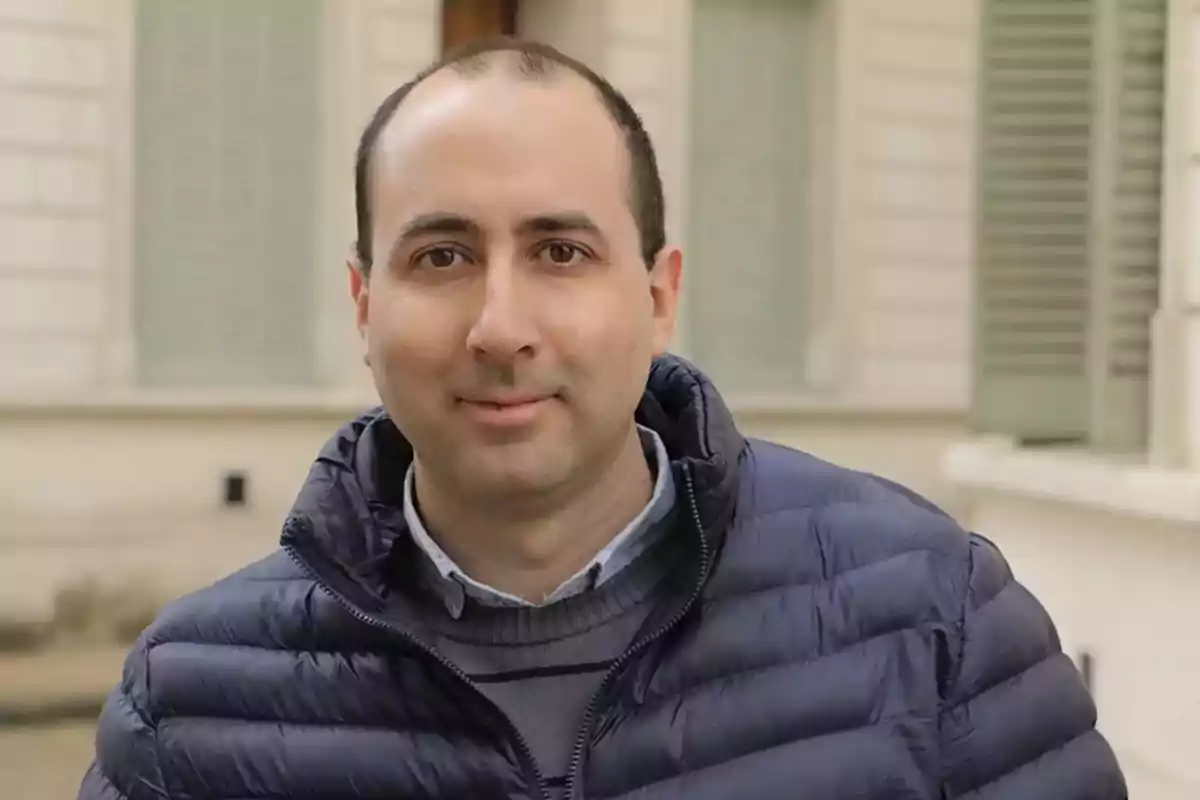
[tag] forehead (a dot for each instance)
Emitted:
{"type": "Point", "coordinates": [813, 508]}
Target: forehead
{"type": "Point", "coordinates": [476, 143]}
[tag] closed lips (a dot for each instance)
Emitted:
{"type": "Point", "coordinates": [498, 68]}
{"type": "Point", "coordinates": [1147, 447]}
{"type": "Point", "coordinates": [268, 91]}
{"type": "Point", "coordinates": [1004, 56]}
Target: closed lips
{"type": "Point", "coordinates": [505, 402]}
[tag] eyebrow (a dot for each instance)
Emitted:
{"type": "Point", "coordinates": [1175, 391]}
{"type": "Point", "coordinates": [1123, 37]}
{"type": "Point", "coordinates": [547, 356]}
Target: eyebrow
{"type": "Point", "coordinates": [437, 222]}
{"type": "Point", "coordinates": [432, 223]}
{"type": "Point", "coordinates": [559, 223]}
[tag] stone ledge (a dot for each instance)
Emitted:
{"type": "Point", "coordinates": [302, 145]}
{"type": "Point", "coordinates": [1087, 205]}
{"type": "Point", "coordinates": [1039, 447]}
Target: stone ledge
{"type": "Point", "coordinates": [58, 683]}
{"type": "Point", "coordinates": [1075, 477]}
{"type": "Point", "coordinates": [263, 406]}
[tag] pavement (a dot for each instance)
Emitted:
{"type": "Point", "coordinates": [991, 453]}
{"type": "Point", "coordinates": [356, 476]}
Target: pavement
{"type": "Point", "coordinates": [45, 762]}
{"type": "Point", "coordinates": [49, 702]}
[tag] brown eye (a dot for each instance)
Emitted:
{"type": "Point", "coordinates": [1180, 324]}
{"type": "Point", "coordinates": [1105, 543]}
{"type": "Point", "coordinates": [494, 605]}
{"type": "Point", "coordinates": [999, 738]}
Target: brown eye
{"type": "Point", "coordinates": [439, 258]}
{"type": "Point", "coordinates": [562, 254]}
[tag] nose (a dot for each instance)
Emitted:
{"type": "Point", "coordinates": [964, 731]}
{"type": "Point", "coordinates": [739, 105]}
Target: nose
{"type": "Point", "coordinates": [504, 328]}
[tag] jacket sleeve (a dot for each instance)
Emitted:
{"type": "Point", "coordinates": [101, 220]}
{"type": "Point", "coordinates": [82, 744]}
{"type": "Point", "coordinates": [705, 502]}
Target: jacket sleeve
{"type": "Point", "coordinates": [126, 766]}
{"type": "Point", "coordinates": [1018, 722]}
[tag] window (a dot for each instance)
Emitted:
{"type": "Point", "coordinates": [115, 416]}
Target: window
{"type": "Point", "coordinates": [748, 230]}
{"type": "Point", "coordinates": [1068, 222]}
{"type": "Point", "coordinates": [226, 126]}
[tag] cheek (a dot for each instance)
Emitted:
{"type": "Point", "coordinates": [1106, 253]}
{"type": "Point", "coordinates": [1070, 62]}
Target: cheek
{"type": "Point", "coordinates": [609, 333]}
{"type": "Point", "coordinates": [406, 337]}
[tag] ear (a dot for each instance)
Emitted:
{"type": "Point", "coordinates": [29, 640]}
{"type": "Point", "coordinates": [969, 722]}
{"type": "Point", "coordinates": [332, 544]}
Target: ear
{"type": "Point", "coordinates": [359, 293]}
{"type": "Point", "coordinates": [666, 277]}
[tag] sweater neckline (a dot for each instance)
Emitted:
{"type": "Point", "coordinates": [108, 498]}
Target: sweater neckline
{"type": "Point", "coordinates": [522, 625]}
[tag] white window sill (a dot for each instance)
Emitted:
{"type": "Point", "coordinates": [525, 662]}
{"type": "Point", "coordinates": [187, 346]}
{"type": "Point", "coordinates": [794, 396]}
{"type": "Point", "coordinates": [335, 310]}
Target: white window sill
{"type": "Point", "coordinates": [838, 405]}
{"type": "Point", "coordinates": [289, 404]}
{"type": "Point", "coordinates": [1077, 477]}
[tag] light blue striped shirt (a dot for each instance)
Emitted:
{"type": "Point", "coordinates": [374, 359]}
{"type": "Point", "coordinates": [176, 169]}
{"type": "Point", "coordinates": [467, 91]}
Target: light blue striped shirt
{"type": "Point", "coordinates": [455, 585]}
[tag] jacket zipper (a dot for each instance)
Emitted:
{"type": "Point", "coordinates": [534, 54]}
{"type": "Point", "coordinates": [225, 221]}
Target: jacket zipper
{"type": "Point", "coordinates": [454, 669]}
{"type": "Point", "coordinates": [589, 715]}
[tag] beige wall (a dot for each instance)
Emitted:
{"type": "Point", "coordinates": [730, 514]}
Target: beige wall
{"type": "Point", "coordinates": [1175, 412]}
{"type": "Point", "coordinates": [1126, 589]}
{"type": "Point", "coordinates": [132, 496]}
{"type": "Point", "coordinates": [1181, 251]}
{"type": "Point", "coordinates": [60, 210]}
{"type": "Point", "coordinates": [906, 115]}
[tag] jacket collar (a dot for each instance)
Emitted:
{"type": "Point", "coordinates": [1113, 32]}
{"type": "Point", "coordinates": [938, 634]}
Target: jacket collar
{"type": "Point", "coordinates": [349, 513]}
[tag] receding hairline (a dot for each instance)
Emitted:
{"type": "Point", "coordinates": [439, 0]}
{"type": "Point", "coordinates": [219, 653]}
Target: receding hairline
{"type": "Point", "coordinates": [513, 65]}
{"type": "Point", "coordinates": [531, 64]}
{"type": "Point", "coordinates": [508, 66]}
{"type": "Point", "coordinates": [500, 66]}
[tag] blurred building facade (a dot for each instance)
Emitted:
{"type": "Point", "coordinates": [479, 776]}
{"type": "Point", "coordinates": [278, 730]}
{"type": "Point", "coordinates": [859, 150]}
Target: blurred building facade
{"type": "Point", "coordinates": [922, 238]}
{"type": "Point", "coordinates": [1084, 459]}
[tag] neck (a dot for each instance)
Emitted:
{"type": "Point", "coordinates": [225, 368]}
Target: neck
{"type": "Point", "coordinates": [529, 550]}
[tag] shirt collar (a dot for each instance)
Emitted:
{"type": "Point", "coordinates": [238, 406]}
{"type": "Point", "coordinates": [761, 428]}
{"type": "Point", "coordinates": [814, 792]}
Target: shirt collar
{"type": "Point", "coordinates": [454, 585]}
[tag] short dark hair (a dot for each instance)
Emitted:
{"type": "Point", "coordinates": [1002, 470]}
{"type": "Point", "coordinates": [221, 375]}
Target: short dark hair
{"type": "Point", "coordinates": [533, 60]}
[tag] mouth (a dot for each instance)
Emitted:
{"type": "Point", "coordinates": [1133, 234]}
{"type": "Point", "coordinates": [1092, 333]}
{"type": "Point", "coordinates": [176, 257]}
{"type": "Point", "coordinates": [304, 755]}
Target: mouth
{"type": "Point", "coordinates": [499, 411]}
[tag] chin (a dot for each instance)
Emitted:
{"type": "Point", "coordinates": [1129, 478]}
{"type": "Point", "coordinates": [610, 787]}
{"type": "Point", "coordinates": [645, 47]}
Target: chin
{"type": "Point", "coordinates": [508, 474]}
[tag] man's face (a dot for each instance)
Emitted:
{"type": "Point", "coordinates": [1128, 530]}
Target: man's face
{"type": "Point", "coordinates": [509, 318]}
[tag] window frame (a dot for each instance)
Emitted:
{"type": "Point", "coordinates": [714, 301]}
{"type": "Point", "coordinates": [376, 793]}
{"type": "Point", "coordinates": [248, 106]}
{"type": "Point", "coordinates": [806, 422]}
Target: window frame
{"type": "Point", "coordinates": [299, 359]}
{"type": "Point", "coordinates": [827, 297]}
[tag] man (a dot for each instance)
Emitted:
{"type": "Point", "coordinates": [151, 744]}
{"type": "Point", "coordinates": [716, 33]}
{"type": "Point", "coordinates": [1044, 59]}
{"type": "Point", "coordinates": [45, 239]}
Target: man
{"type": "Point", "coordinates": [551, 566]}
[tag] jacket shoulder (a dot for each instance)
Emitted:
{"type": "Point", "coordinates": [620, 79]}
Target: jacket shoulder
{"type": "Point", "coordinates": [832, 520]}
{"type": "Point", "coordinates": [783, 475]}
{"type": "Point", "coordinates": [267, 604]}
{"type": "Point", "coordinates": [127, 762]}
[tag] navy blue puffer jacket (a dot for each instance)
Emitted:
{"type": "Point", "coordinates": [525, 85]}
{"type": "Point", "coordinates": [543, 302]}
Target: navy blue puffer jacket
{"type": "Point", "coordinates": [832, 636]}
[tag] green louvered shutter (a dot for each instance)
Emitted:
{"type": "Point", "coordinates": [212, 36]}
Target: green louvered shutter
{"type": "Point", "coordinates": [1067, 218]}
{"type": "Point", "coordinates": [1128, 168]}
{"type": "Point", "coordinates": [1032, 224]}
